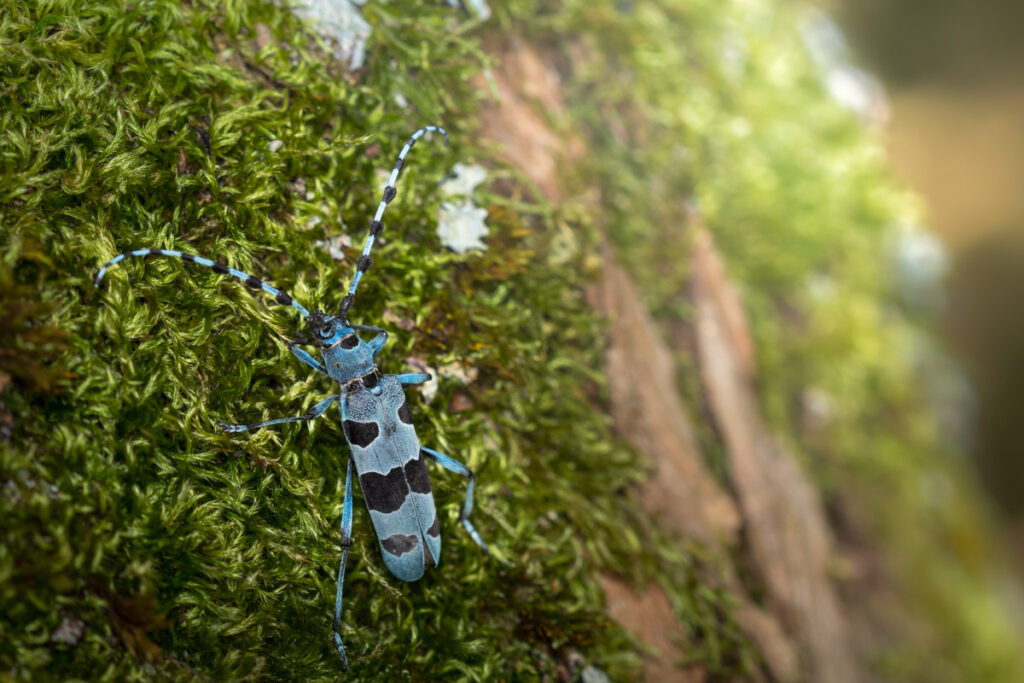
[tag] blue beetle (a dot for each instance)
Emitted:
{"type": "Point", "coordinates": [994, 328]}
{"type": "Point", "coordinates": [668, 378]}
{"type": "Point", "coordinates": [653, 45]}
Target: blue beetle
{"type": "Point", "coordinates": [386, 453]}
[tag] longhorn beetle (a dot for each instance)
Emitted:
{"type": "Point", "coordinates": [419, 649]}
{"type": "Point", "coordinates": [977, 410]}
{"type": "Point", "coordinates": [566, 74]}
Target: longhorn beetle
{"type": "Point", "coordinates": [375, 417]}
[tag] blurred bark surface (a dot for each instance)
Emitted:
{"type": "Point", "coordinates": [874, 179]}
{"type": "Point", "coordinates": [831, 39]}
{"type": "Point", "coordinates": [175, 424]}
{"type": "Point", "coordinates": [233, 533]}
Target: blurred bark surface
{"type": "Point", "coordinates": [785, 524]}
{"type": "Point", "coordinates": [775, 512]}
{"type": "Point", "coordinates": [649, 414]}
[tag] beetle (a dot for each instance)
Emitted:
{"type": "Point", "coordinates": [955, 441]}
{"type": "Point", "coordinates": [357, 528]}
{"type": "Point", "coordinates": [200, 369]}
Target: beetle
{"type": "Point", "coordinates": [386, 454]}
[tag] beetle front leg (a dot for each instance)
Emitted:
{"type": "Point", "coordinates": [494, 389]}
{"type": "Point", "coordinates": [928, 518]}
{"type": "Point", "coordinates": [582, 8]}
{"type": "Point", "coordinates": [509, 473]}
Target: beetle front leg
{"type": "Point", "coordinates": [302, 355]}
{"type": "Point", "coordinates": [378, 342]}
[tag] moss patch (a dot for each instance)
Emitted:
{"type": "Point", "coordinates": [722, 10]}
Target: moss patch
{"type": "Point", "coordinates": [139, 540]}
{"type": "Point", "coordinates": [188, 552]}
{"type": "Point", "coordinates": [717, 109]}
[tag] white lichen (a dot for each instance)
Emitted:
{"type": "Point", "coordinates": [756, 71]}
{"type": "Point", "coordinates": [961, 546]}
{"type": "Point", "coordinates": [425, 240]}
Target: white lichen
{"type": "Point", "coordinates": [335, 246]}
{"type": "Point", "coordinates": [461, 226]}
{"type": "Point", "coordinates": [455, 370]}
{"type": "Point", "coordinates": [340, 22]}
{"type": "Point", "coordinates": [848, 84]}
{"type": "Point", "coordinates": [461, 223]}
{"type": "Point", "coordinates": [464, 179]}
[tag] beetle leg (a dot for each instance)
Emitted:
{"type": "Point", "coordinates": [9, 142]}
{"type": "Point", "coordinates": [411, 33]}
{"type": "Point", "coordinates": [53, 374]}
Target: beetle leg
{"type": "Point", "coordinates": [413, 377]}
{"type": "Point", "coordinates": [314, 412]}
{"type": "Point", "coordinates": [302, 355]}
{"type": "Point", "coordinates": [457, 467]}
{"type": "Point", "coordinates": [346, 541]}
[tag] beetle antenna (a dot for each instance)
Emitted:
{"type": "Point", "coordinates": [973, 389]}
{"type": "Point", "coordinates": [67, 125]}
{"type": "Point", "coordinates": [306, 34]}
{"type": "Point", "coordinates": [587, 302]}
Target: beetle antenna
{"type": "Point", "coordinates": [280, 297]}
{"type": "Point", "coordinates": [375, 225]}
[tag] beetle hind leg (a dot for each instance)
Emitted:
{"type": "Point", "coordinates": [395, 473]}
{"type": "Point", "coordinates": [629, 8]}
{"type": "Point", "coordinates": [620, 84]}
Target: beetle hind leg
{"type": "Point", "coordinates": [457, 467]}
{"type": "Point", "coordinates": [346, 541]}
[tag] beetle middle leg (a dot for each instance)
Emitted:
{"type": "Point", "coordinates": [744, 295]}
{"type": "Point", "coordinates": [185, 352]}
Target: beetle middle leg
{"type": "Point", "coordinates": [457, 467]}
{"type": "Point", "coordinates": [314, 412]}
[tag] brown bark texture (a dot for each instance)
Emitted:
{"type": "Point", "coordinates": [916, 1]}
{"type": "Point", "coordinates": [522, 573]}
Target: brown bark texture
{"type": "Point", "coordinates": [768, 509]}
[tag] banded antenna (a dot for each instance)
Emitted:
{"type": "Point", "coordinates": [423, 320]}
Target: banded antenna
{"type": "Point", "coordinates": [375, 225]}
{"type": "Point", "coordinates": [280, 297]}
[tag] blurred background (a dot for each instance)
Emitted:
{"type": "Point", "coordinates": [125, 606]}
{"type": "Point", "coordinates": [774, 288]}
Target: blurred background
{"type": "Point", "coordinates": [954, 74]}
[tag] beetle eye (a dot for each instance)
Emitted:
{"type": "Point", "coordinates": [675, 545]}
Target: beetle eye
{"type": "Point", "coordinates": [325, 331]}
{"type": "Point", "coordinates": [350, 342]}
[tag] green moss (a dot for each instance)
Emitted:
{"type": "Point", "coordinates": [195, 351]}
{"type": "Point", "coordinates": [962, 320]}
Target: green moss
{"type": "Point", "coordinates": [716, 108]}
{"type": "Point", "coordinates": [185, 551]}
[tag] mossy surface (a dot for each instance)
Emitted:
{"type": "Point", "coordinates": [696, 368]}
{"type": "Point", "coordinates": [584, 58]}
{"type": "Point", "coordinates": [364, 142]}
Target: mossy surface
{"type": "Point", "coordinates": [718, 110]}
{"type": "Point", "coordinates": [185, 552]}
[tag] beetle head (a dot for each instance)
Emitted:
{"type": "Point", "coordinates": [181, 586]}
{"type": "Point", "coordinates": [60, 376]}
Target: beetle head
{"type": "Point", "coordinates": [329, 330]}
{"type": "Point", "coordinates": [346, 356]}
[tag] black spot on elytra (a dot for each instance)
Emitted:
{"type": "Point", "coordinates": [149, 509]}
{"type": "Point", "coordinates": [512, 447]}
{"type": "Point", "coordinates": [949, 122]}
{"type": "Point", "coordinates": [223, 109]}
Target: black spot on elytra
{"type": "Point", "coordinates": [429, 556]}
{"type": "Point", "coordinates": [360, 434]}
{"type": "Point", "coordinates": [416, 474]}
{"type": "Point", "coordinates": [399, 544]}
{"type": "Point", "coordinates": [435, 528]}
{"type": "Point", "coordinates": [384, 492]}
{"type": "Point", "coordinates": [404, 414]}
{"type": "Point", "coordinates": [370, 381]}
